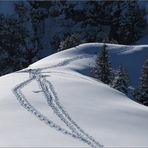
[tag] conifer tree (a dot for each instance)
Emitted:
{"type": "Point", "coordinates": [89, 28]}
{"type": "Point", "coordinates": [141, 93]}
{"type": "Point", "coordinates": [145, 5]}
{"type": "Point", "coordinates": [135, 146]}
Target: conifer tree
{"type": "Point", "coordinates": [70, 41]}
{"type": "Point", "coordinates": [130, 23]}
{"type": "Point", "coordinates": [102, 69]}
{"type": "Point", "coordinates": [121, 81]}
{"type": "Point", "coordinates": [141, 94]}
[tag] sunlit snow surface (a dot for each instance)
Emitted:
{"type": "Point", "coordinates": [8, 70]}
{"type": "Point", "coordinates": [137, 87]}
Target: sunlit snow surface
{"type": "Point", "coordinates": [107, 115]}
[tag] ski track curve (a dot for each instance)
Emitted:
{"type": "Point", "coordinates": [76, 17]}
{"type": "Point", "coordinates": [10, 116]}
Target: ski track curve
{"type": "Point", "coordinates": [60, 114]}
{"type": "Point", "coordinates": [66, 62]}
{"type": "Point", "coordinates": [75, 126]}
{"type": "Point", "coordinates": [53, 102]}
{"type": "Point", "coordinates": [25, 103]}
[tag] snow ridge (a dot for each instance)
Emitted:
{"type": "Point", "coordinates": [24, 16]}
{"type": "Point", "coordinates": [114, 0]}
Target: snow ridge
{"type": "Point", "coordinates": [66, 62]}
{"type": "Point", "coordinates": [53, 102]}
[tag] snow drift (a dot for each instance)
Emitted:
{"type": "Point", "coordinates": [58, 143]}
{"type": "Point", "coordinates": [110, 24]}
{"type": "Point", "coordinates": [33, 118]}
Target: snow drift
{"type": "Point", "coordinates": [56, 103]}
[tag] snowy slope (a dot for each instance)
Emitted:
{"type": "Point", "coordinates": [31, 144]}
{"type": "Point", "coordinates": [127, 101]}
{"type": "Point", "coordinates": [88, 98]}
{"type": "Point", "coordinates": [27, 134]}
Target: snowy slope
{"type": "Point", "coordinates": [57, 104]}
{"type": "Point", "coordinates": [131, 57]}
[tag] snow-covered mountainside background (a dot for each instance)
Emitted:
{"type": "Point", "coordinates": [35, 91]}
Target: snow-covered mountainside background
{"type": "Point", "coordinates": [55, 103]}
{"type": "Point", "coordinates": [50, 96]}
{"type": "Point", "coordinates": [31, 30]}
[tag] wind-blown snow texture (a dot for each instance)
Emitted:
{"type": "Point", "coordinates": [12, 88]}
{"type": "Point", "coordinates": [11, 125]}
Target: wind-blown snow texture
{"type": "Point", "coordinates": [57, 104]}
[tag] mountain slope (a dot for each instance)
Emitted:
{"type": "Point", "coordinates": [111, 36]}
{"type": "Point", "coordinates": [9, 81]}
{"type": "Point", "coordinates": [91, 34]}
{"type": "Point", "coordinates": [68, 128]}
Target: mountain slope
{"type": "Point", "coordinates": [131, 57]}
{"type": "Point", "coordinates": [58, 92]}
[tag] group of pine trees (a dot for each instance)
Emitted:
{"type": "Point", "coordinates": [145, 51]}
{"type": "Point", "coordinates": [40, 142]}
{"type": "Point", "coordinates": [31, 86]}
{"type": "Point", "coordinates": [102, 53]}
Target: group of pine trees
{"type": "Point", "coordinates": [57, 25]}
{"type": "Point", "coordinates": [12, 40]}
{"type": "Point", "coordinates": [103, 71]}
{"type": "Point", "coordinates": [70, 41]}
{"type": "Point", "coordinates": [119, 79]}
{"type": "Point", "coordinates": [121, 21]}
{"type": "Point", "coordinates": [141, 93]}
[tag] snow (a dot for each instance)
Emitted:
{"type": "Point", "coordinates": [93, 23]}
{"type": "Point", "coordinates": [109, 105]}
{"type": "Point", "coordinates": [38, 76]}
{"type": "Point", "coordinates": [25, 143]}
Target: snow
{"type": "Point", "coordinates": [130, 57]}
{"type": "Point", "coordinates": [110, 117]}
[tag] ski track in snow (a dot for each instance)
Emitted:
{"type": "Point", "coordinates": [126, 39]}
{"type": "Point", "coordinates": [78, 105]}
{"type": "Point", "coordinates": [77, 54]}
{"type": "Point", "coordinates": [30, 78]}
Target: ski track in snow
{"type": "Point", "coordinates": [53, 102]}
{"type": "Point", "coordinates": [25, 103]}
{"type": "Point", "coordinates": [67, 61]}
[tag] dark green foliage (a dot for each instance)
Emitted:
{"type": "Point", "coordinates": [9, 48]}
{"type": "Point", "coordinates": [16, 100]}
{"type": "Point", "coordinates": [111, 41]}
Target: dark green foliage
{"type": "Point", "coordinates": [29, 27]}
{"type": "Point", "coordinates": [141, 93]}
{"type": "Point", "coordinates": [102, 69]}
{"type": "Point", "coordinates": [55, 43]}
{"type": "Point", "coordinates": [121, 81]}
{"type": "Point", "coordinates": [40, 4]}
{"type": "Point", "coordinates": [70, 41]}
{"type": "Point", "coordinates": [28, 56]}
{"type": "Point", "coordinates": [17, 49]}
{"type": "Point", "coordinates": [21, 11]}
{"type": "Point", "coordinates": [123, 21]}
{"type": "Point", "coordinates": [71, 12]}
{"type": "Point", "coordinates": [12, 39]}
{"type": "Point", "coordinates": [128, 22]}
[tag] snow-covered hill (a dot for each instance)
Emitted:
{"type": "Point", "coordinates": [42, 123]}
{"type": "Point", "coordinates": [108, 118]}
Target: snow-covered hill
{"type": "Point", "coordinates": [131, 57]}
{"type": "Point", "coordinates": [55, 103]}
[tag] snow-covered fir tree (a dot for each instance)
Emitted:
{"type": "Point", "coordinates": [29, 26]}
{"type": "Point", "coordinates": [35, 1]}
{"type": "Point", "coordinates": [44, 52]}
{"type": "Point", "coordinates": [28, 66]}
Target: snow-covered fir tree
{"type": "Point", "coordinates": [141, 93]}
{"type": "Point", "coordinates": [121, 81]}
{"type": "Point", "coordinates": [70, 41]}
{"type": "Point", "coordinates": [102, 69]}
